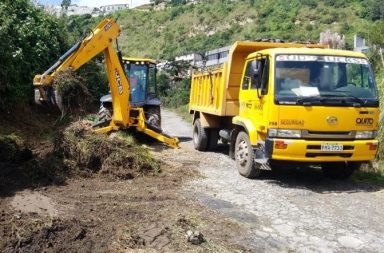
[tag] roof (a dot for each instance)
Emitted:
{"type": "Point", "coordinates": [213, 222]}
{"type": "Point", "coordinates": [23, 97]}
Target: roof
{"type": "Point", "coordinates": [138, 59]}
{"type": "Point", "coordinates": [312, 51]}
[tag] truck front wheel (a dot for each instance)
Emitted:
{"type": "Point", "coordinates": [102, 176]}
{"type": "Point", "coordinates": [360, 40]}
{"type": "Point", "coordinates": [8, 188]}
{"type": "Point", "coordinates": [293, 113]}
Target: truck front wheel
{"type": "Point", "coordinates": [244, 157]}
{"type": "Point", "coordinates": [200, 136]}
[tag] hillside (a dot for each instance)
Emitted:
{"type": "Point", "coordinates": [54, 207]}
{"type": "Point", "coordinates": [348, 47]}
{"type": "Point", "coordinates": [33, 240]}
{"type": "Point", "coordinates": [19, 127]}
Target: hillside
{"type": "Point", "coordinates": [209, 24]}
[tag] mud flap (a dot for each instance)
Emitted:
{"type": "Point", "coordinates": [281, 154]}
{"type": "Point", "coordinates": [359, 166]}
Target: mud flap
{"type": "Point", "coordinates": [261, 158]}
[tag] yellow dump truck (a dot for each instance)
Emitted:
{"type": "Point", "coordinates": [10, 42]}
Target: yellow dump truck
{"type": "Point", "coordinates": [283, 103]}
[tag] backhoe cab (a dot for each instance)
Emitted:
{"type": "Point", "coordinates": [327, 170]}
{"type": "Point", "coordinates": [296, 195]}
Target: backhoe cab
{"type": "Point", "coordinates": [129, 106]}
{"type": "Point", "coordinates": [143, 92]}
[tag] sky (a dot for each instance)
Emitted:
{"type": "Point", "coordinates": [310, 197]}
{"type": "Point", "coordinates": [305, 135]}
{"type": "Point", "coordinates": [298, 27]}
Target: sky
{"type": "Point", "coordinates": [97, 3]}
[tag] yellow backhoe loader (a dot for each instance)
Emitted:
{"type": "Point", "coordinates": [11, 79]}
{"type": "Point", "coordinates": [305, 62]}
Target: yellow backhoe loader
{"type": "Point", "coordinates": [131, 102]}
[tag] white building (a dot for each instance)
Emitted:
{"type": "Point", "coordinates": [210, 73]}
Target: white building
{"type": "Point", "coordinates": [359, 44]}
{"type": "Point", "coordinates": [113, 7]}
{"type": "Point", "coordinates": [74, 9]}
{"type": "Point", "coordinates": [193, 59]}
{"type": "Point", "coordinates": [217, 56]}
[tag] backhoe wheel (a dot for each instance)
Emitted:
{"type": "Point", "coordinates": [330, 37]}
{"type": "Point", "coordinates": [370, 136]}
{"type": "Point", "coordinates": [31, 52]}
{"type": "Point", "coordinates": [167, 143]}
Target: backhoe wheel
{"type": "Point", "coordinates": [213, 138]}
{"type": "Point", "coordinates": [200, 138]}
{"type": "Point", "coordinates": [105, 114]}
{"type": "Point", "coordinates": [338, 170]}
{"type": "Point", "coordinates": [153, 116]}
{"type": "Point", "coordinates": [244, 157]}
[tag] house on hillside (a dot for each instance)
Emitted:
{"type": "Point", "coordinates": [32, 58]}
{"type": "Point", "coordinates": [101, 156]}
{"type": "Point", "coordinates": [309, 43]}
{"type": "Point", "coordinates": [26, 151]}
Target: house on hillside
{"type": "Point", "coordinates": [75, 9]}
{"type": "Point", "coordinates": [106, 9]}
{"type": "Point", "coordinates": [193, 59]}
{"type": "Point", "coordinates": [359, 44]}
{"type": "Point", "coordinates": [217, 56]}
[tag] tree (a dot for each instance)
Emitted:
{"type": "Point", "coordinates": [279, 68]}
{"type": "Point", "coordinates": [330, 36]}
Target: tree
{"type": "Point", "coordinates": [376, 41]}
{"type": "Point", "coordinates": [64, 6]}
{"type": "Point", "coordinates": [333, 40]}
{"type": "Point", "coordinates": [156, 2]}
{"type": "Point", "coordinates": [30, 41]}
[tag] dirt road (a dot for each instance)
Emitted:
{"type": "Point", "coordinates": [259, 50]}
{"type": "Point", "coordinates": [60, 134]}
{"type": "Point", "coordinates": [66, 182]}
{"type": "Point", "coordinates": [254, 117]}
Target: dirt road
{"type": "Point", "coordinates": [292, 211]}
{"type": "Point", "coordinates": [289, 211]}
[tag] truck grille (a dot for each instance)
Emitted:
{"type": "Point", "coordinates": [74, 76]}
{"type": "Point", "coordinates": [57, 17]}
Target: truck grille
{"type": "Point", "coordinates": [306, 134]}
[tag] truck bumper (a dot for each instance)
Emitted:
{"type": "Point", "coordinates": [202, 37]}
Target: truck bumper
{"type": "Point", "coordinates": [310, 150]}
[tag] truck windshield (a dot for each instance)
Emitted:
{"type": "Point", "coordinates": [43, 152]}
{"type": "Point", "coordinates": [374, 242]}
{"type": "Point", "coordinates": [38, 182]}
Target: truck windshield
{"type": "Point", "coordinates": [324, 80]}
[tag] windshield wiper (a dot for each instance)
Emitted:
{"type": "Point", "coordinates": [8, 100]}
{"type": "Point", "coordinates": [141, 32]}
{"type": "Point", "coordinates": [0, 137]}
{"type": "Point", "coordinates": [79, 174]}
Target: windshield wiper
{"type": "Point", "coordinates": [320, 98]}
{"type": "Point", "coordinates": [354, 98]}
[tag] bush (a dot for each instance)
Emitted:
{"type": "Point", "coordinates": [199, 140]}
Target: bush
{"type": "Point", "coordinates": [30, 41]}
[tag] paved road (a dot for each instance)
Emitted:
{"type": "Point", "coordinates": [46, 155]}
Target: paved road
{"type": "Point", "coordinates": [289, 211]}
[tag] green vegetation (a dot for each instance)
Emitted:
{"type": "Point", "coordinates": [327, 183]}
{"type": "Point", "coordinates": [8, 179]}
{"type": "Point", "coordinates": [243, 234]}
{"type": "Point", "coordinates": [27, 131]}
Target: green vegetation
{"type": "Point", "coordinates": [371, 174]}
{"type": "Point", "coordinates": [183, 28]}
{"type": "Point", "coordinates": [30, 41]}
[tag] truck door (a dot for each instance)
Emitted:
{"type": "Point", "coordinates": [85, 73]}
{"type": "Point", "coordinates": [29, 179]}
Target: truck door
{"type": "Point", "coordinates": [253, 99]}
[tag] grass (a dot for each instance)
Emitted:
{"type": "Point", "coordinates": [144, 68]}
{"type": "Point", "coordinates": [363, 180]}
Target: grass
{"type": "Point", "coordinates": [371, 174]}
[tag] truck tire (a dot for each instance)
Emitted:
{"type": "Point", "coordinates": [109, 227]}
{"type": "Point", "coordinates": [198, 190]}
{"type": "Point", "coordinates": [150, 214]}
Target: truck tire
{"type": "Point", "coordinates": [338, 170]}
{"type": "Point", "coordinates": [244, 157]}
{"type": "Point", "coordinates": [200, 137]}
{"type": "Point", "coordinates": [105, 114]}
{"type": "Point", "coordinates": [213, 138]}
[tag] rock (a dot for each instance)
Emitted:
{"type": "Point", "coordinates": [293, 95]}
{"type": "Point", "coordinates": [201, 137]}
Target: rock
{"type": "Point", "coordinates": [195, 237]}
{"type": "Point", "coordinates": [350, 242]}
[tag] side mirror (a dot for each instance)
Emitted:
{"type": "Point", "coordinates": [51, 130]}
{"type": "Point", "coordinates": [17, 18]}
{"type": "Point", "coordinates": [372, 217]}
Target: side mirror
{"type": "Point", "coordinates": [265, 78]}
{"type": "Point", "coordinates": [256, 76]}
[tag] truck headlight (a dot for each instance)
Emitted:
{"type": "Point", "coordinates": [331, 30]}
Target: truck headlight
{"type": "Point", "coordinates": [366, 134]}
{"type": "Point", "coordinates": [284, 133]}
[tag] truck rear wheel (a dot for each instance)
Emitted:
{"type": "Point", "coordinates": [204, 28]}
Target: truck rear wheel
{"type": "Point", "coordinates": [338, 170]}
{"type": "Point", "coordinates": [244, 157]}
{"type": "Point", "coordinates": [200, 137]}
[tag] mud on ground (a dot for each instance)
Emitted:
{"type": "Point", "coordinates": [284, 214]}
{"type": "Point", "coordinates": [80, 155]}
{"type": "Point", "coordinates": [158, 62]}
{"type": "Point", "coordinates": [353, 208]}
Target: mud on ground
{"type": "Point", "coordinates": [94, 211]}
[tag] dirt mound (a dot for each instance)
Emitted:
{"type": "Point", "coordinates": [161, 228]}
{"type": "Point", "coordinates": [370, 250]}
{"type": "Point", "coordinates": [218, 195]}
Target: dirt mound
{"type": "Point", "coordinates": [12, 150]}
{"type": "Point", "coordinates": [89, 152]}
{"type": "Point", "coordinates": [41, 235]}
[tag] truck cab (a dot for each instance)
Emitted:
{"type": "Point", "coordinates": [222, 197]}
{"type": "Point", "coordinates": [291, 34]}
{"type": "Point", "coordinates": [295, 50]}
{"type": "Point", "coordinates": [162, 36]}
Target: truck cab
{"type": "Point", "coordinates": [310, 105]}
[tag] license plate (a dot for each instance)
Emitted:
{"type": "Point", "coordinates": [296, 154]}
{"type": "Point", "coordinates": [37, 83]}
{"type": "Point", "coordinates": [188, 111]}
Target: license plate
{"type": "Point", "coordinates": [331, 147]}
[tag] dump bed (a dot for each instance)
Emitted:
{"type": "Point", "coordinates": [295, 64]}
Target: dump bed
{"type": "Point", "coordinates": [217, 91]}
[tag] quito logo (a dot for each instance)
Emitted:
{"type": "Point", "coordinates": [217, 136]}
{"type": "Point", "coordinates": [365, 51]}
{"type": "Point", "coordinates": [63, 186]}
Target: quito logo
{"type": "Point", "coordinates": [332, 120]}
{"type": "Point", "coordinates": [118, 81]}
{"type": "Point", "coordinates": [364, 121]}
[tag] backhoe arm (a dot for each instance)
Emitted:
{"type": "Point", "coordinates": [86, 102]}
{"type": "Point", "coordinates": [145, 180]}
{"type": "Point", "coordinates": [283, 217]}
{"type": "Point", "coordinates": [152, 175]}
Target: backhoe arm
{"type": "Point", "coordinates": [99, 40]}
{"type": "Point", "coordinates": [82, 52]}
